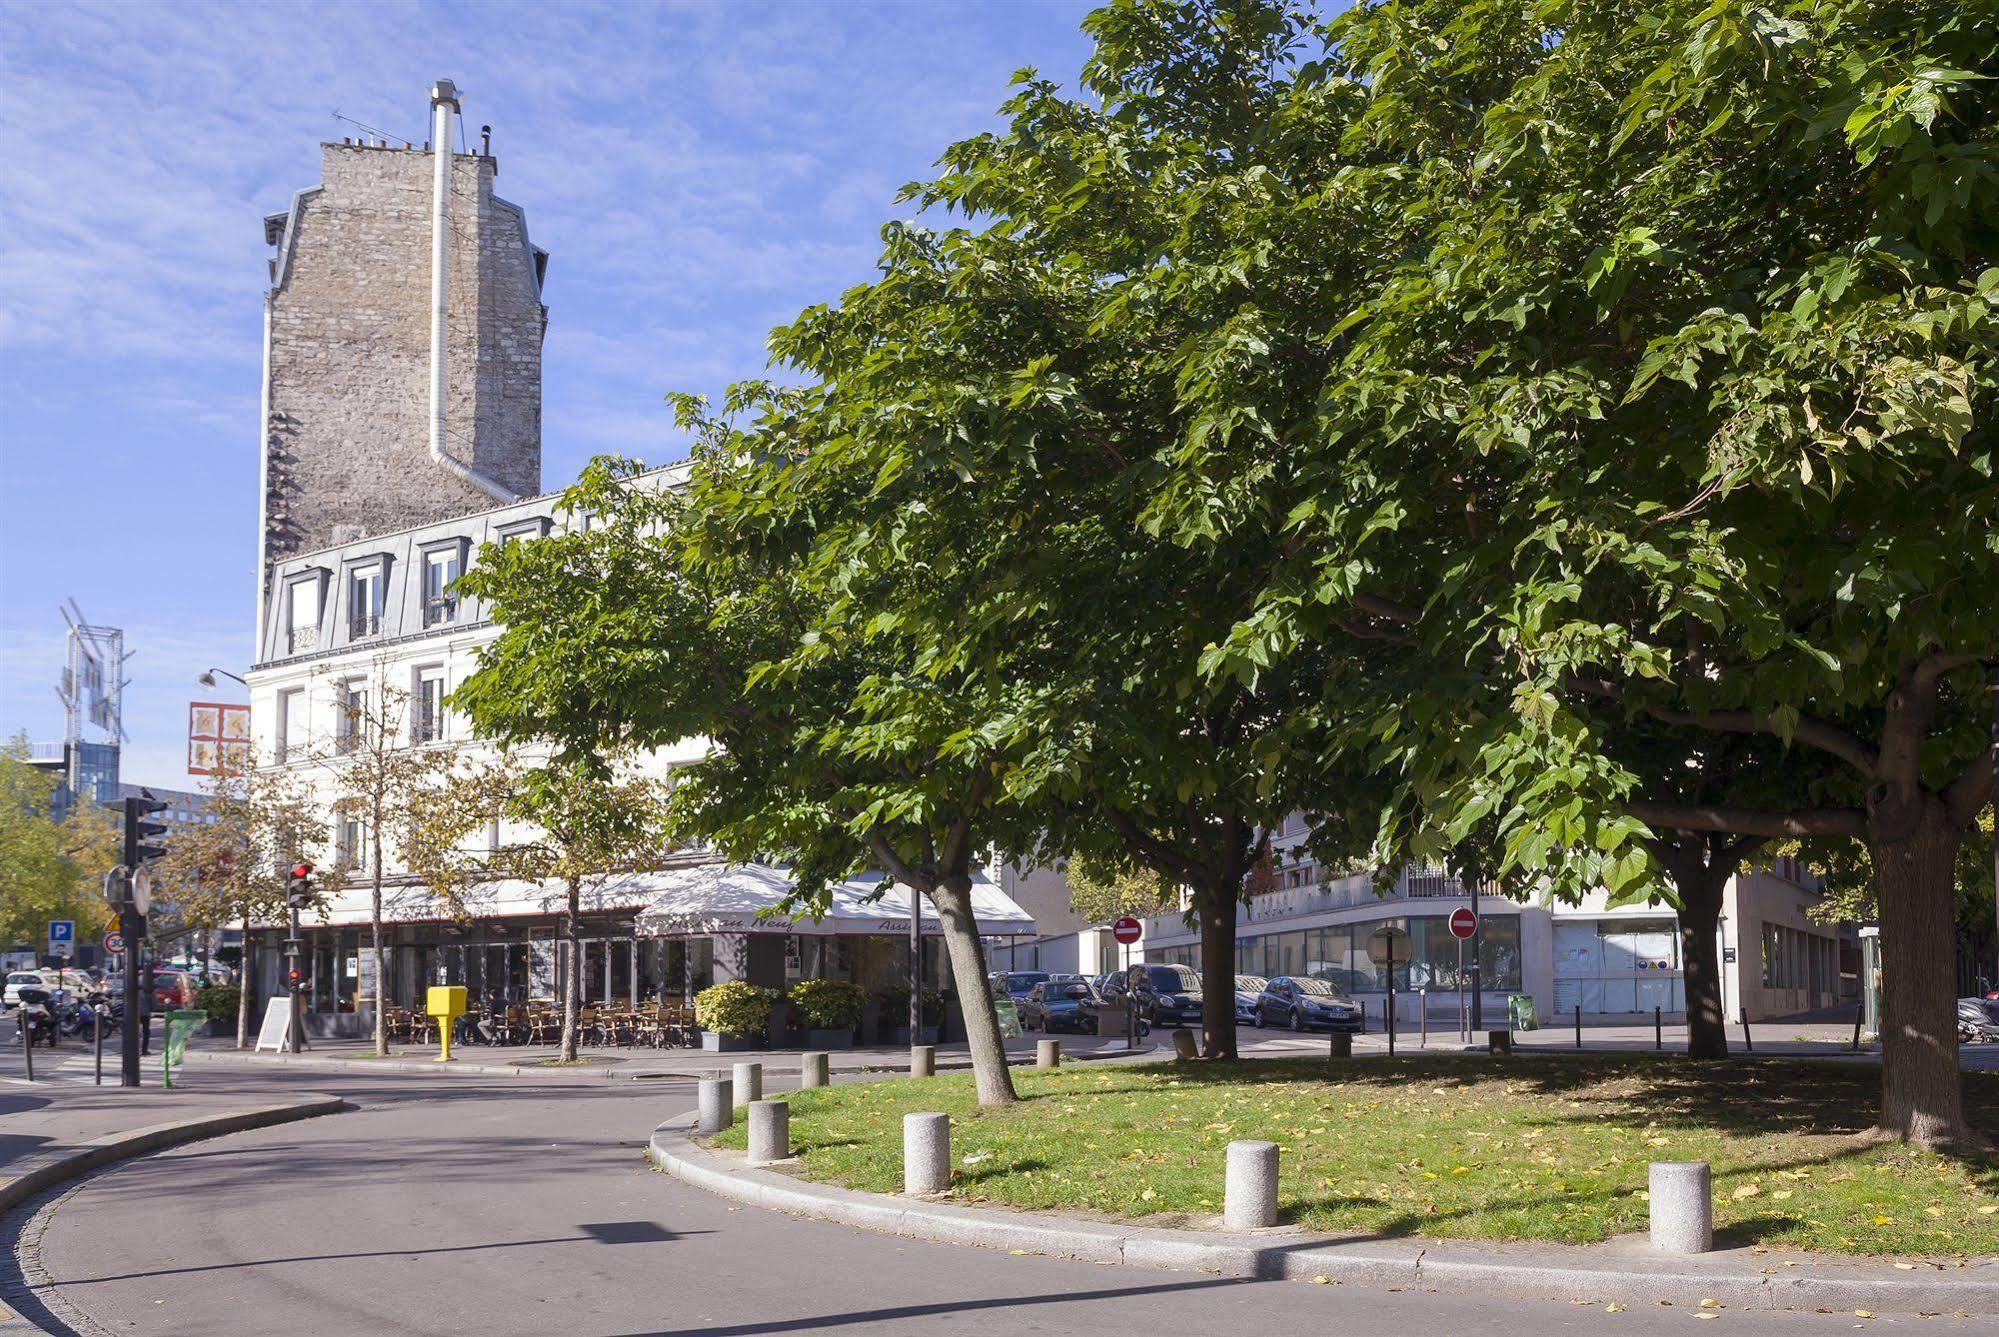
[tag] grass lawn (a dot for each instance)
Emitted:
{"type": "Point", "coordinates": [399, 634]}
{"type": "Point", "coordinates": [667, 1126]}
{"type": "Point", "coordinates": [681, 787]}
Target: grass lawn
{"type": "Point", "coordinates": [1540, 1148]}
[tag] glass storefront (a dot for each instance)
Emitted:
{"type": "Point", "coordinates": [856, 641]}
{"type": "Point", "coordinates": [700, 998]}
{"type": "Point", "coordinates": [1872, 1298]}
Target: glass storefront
{"type": "Point", "coordinates": [1338, 954]}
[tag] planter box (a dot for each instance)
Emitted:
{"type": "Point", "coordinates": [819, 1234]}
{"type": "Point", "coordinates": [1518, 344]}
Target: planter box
{"type": "Point", "coordinates": [842, 1039]}
{"type": "Point", "coordinates": [899, 1035]}
{"type": "Point", "coordinates": [717, 1043]}
{"type": "Point", "coordinates": [220, 1028]}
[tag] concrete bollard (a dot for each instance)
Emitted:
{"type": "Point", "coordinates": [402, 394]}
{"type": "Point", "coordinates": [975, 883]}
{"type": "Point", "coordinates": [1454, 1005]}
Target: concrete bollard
{"type": "Point", "coordinates": [770, 1131]}
{"type": "Point", "coordinates": [749, 1080]}
{"type": "Point", "coordinates": [926, 1153]}
{"type": "Point", "coordinates": [1183, 1044]}
{"type": "Point", "coordinates": [1047, 1053]}
{"type": "Point", "coordinates": [812, 1070]}
{"type": "Point", "coordinates": [717, 1109]}
{"type": "Point", "coordinates": [1682, 1202]}
{"type": "Point", "coordinates": [1249, 1191]}
{"type": "Point", "coordinates": [1339, 1044]}
{"type": "Point", "coordinates": [1499, 1042]}
{"type": "Point", "coordinates": [922, 1060]}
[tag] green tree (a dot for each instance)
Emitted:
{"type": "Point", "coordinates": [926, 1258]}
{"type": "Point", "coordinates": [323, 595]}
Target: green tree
{"type": "Point", "coordinates": [1102, 892]}
{"type": "Point", "coordinates": [1663, 408]}
{"type": "Point", "coordinates": [231, 868]}
{"type": "Point", "coordinates": [385, 780]}
{"type": "Point", "coordinates": [580, 819]}
{"type": "Point", "coordinates": [700, 615]}
{"type": "Point", "coordinates": [49, 868]}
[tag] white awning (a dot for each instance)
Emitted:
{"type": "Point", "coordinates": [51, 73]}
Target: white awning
{"type": "Point", "coordinates": [706, 898]}
{"type": "Point", "coordinates": [743, 898]}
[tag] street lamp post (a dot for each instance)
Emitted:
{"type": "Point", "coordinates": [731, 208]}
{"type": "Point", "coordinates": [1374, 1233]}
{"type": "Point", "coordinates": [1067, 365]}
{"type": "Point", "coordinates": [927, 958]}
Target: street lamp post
{"type": "Point", "coordinates": [207, 678]}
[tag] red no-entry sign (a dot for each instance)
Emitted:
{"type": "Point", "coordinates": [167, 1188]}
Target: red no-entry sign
{"type": "Point", "coordinates": [1127, 930]}
{"type": "Point", "coordinates": [1463, 922]}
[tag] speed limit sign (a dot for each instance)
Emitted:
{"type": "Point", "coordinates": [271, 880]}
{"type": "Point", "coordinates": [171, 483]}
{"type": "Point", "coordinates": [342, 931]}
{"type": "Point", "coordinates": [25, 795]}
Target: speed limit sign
{"type": "Point", "coordinates": [114, 943]}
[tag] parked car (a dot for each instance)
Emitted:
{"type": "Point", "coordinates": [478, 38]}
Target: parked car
{"type": "Point", "coordinates": [1060, 1005]}
{"type": "Point", "coordinates": [1306, 1004]}
{"type": "Point", "coordinates": [1015, 984]}
{"type": "Point", "coordinates": [1162, 993]}
{"type": "Point", "coordinates": [1247, 987]}
{"type": "Point", "coordinates": [173, 988]}
{"type": "Point", "coordinates": [33, 979]}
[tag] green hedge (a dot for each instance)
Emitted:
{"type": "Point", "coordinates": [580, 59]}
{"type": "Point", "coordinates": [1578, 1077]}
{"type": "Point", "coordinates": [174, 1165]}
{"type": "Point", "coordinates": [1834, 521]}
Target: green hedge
{"type": "Point", "coordinates": [219, 1000]}
{"type": "Point", "coordinates": [734, 1008]}
{"type": "Point", "coordinates": [829, 1005]}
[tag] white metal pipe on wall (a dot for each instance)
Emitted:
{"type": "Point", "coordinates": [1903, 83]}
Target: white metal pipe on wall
{"type": "Point", "coordinates": [443, 106]}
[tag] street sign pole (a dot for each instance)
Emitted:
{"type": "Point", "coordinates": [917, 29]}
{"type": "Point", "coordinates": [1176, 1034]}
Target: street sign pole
{"type": "Point", "coordinates": [132, 929]}
{"type": "Point", "coordinates": [1477, 984]}
{"type": "Point", "coordinates": [295, 1025]}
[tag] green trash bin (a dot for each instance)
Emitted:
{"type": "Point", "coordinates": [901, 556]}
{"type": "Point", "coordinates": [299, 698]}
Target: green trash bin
{"type": "Point", "coordinates": [1520, 1009]}
{"type": "Point", "coordinates": [181, 1023]}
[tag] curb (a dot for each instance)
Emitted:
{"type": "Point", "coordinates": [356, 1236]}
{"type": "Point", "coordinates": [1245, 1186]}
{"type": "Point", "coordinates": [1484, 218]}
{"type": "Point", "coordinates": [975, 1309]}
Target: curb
{"type": "Point", "coordinates": [102, 1151]}
{"type": "Point", "coordinates": [1624, 1271]}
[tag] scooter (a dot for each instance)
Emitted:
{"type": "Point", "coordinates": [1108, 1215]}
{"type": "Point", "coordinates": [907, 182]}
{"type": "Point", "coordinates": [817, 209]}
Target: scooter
{"type": "Point", "coordinates": [1976, 1024]}
{"type": "Point", "coordinates": [37, 1016]}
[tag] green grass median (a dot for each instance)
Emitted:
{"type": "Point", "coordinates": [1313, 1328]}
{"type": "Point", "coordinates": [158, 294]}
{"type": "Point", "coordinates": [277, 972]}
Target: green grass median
{"type": "Point", "coordinates": [1528, 1149]}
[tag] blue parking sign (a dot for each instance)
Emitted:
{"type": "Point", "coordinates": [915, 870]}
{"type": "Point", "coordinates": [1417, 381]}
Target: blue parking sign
{"type": "Point", "coordinates": [62, 930]}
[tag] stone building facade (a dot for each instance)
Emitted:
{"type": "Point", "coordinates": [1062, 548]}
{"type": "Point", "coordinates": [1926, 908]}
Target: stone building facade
{"type": "Point", "coordinates": [347, 349]}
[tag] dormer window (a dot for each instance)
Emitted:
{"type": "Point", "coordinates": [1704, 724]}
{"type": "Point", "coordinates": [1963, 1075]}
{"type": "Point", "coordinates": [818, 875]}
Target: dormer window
{"type": "Point", "coordinates": [365, 595]}
{"type": "Point", "coordinates": [302, 615]}
{"type": "Point", "coordinates": [440, 572]}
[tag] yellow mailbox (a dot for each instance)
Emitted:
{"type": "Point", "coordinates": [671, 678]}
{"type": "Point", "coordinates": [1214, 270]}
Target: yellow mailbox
{"type": "Point", "coordinates": [446, 1002]}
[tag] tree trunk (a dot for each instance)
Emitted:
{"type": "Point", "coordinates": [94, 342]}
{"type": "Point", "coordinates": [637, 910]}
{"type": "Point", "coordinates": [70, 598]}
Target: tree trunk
{"type": "Point", "coordinates": [243, 990]}
{"type": "Point", "coordinates": [953, 899]}
{"type": "Point", "coordinates": [1700, 885]}
{"type": "Point", "coordinates": [1216, 908]}
{"type": "Point", "coordinates": [572, 973]}
{"type": "Point", "coordinates": [375, 952]}
{"type": "Point", "coordinates": [1914, 847]}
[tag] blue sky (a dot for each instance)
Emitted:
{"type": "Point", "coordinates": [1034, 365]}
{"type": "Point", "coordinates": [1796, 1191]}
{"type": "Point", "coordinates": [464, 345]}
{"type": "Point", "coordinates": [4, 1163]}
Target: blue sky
{"type": "Point", "coordinates": [698, 172]}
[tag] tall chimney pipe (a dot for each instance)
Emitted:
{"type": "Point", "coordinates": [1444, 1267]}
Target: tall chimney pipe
{"type": "Point", "coordinates": [443, 105]}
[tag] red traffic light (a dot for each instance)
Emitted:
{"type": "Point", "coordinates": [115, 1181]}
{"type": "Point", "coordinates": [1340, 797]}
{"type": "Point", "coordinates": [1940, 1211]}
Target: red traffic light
{"type": "Point", "coordinates": [301, 869]}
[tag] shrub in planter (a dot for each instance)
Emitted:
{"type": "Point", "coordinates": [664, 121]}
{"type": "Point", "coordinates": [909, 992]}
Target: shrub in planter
{"type": "Point", "coordinates": [895, 1006]}
{"type": "Point", "coordinates": [828, 1005]}
{"type": "Point", "coordinates": [734, 1008]}
{"type": "Point", "coordinates": [219, 1000]}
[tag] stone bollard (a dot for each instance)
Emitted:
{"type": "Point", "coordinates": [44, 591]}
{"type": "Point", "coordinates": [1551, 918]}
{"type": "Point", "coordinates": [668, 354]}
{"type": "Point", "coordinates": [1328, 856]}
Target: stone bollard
{"type": "Point", "coordinates": [812, 1070]}
{"type": "Point", "coordinates": [1339, 1045]}
{"type": "Point", "coordinates": [1499, 1042]}
{"type": "Point", "coordinates": [1183, 1044]}
{"type": "Point", "coordinates": [1249, 1191]}
{"type": "Point", "coordinates": [717, 1110]}
{"type": "Point", "coordinates": [926, 1153]}
{"type": "Point", "coordinates": [922, 1060]}
{"type": "Point", "coordinates": [1682, 1202]}
{"type": "Point", "coordinates": [770, 1132]}
{"type": "Point", "coordinates": [1047, 1053]}
{"type": "Point", "coordinates": [749, 1080]}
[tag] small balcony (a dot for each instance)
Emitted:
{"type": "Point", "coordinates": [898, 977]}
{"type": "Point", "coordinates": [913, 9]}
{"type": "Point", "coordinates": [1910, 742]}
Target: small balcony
{"type": "Point", "coordinates": [360, 626]}
{"type": "Point", "coordinates": [299, 640]}
{"type": "Point", "coordinates": [438, 612]}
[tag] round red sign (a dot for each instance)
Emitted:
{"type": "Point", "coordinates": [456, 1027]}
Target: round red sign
{"type": "Point", "coordinates": [1127, 930]}
{"type": "Point", "coordinates": [114, 942]}
{"type": "Point", "coordinates": [1463, 922]}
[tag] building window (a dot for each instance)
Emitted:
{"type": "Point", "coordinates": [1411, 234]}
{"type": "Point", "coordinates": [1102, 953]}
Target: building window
{"type": "Point", "coordinates": [429, 723]}
{"type": "Point", "coordinates": [351, 728]}
{"type": "Point", "coordinates": [440, 570]}
{"type": "Point", "coordinates": [302, 616]}
{"type": "Point", "coordinates": [292, 735]}
{"type": "Point", "coordinates": [364, 603]}
{"type": "Point", "coordinates": [352, 841]}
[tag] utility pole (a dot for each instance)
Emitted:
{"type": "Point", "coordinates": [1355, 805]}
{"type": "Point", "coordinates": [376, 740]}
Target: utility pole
{"type": "Point", "coordinates": [132, 918]}
{"type": "Point", "coordinates": [298, 890]}
{"type": "Point", "coordinates": [915, 966]}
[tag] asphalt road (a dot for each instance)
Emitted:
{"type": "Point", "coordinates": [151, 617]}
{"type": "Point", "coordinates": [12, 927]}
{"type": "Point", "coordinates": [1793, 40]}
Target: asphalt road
{"type": "Point", "coordinates": [461, 1205]}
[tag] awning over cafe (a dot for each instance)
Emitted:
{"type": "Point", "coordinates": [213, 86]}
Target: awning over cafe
{"type": "Point", "coordinates": [744, 898]}
{"type": "Point", "coordinates": [704, 898]}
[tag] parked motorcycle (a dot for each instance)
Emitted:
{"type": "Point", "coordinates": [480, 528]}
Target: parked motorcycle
{"type": "Point", "coordinates": [1977, 1021]}
{"type": "Point", "coordinates": [37, 1015]}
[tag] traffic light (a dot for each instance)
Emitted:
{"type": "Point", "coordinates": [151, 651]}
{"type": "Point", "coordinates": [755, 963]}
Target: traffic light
{"type": "Point", "coordinates": [298, 887]}
{"type": "Point", "coordinates": [294, 978]}
{"type": "Point", "coordinates": [139, 832]}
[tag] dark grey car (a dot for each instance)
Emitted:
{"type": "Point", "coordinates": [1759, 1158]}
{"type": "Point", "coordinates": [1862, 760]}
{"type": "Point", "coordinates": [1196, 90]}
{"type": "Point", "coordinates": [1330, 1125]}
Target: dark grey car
{"type": "Point", "coordinates": [1306, 1004]}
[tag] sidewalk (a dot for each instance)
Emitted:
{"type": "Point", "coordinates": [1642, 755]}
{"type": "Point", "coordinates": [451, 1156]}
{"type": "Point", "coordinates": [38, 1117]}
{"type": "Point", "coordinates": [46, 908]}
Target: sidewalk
{"type": "Point", "coordinates": [617, 1064]}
